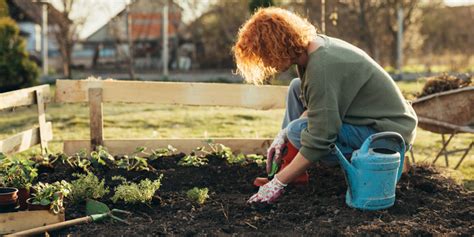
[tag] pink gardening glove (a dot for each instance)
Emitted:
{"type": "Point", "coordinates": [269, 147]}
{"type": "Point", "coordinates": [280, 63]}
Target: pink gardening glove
{"type": "Point", "coordinates": [269, 192]}
{"type": "Point", "coordinates": [275, 149]}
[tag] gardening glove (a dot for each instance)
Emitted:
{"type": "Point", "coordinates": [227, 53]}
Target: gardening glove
{"type": "Point", "coordinates": [275, 149]}
{"type": "Point", "coordinates": [269, 192]}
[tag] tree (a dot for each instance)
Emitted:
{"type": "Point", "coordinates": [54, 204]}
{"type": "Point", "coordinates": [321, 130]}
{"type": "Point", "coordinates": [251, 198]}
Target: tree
{"type": "Point", "coordinates": [4, 9]}
{"type": "Point", "coordinates": [16, 70]}
{"type": "Point", "coordinates": [369, 24]}
{"type": "Point", "coordinates": [256, 4]}
{"type": "Point", "coordinates": [214, 33]}
{"type": "Point", "coordinates": [66, 30]}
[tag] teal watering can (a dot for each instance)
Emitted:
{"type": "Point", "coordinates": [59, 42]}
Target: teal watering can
{"type": "Point", "coordinates": [374, 171]}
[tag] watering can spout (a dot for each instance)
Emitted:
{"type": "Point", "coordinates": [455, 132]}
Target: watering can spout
{"type": "Point", "coordinates": [346, 165]}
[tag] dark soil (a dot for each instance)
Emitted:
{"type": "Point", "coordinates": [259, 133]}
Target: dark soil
{"type": "Point", "coordinates": [427, 204]}
{"type": "Point", "coordinates": [445, 82]}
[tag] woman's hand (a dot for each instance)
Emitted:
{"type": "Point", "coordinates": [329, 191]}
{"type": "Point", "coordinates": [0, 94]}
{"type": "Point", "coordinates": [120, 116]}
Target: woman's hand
{"type": "Point", "coordinates": [269, 192]}
{"type": "Point", "coordinates": [275, 149]}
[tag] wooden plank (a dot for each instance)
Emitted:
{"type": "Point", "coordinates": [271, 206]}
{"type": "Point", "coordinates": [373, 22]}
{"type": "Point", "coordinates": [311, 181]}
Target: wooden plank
{"type": "Point", "coordinates": [23, 97]}
{"type": "Point", "coordinates": [96, 117]}
{"type": "Point", "coordinates": [249, 96]}
{"type": "Point", "coordinates": [24, 140]}
{"type": "Point", "coordinates": [120, 147]}
{"type": "Point", "coordinates": [41, 121]}
{"type": "Point", "coordinates": [17, 221]}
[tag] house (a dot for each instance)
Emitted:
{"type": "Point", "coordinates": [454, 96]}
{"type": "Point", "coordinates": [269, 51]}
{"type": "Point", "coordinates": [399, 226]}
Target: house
{"type": "Point", "coordinates": [110, 42]}
{"type": "Point", "coordinates": [28, 15]}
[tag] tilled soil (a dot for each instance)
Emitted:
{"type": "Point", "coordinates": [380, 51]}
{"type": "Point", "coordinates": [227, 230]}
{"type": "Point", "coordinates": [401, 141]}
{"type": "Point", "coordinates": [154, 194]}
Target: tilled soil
{"type": "Point", "coordinates": [427, 204]}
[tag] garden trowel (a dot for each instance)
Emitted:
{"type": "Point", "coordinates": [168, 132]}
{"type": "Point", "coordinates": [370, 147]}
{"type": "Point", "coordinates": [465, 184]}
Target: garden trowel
{"type": "Point", "coordinates": [95, 211]}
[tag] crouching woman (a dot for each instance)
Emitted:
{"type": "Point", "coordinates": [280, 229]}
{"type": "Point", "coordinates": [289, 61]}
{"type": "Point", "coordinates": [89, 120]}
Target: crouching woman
{"type": "Point", "coordinates": [342, 96]}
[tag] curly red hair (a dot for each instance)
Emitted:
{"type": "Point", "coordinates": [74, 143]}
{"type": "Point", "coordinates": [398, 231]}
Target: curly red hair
{"type": "Point", "coordinates": [269, 42]}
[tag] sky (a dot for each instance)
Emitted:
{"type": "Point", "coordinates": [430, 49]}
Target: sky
{"type": "Point", "coordinates": [98, 12]}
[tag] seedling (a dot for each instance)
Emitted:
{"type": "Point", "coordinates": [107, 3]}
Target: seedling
{"type": "Point", "coordinates": [193, 160]}
{"type": "Point", "coordinates": [51, 194]}
{"type": "Point", "coordinates": [87, 187]}
{"type": "Point", "coordinates": [198, 195]}
{"type": "Point", "coordinates": [131, 192]}
{"type": "Point", "coordinates": [160, 152]}
{"type": "Point", "coordinates": [134, 162]}
{"type": "Point", "coordinates": [101, 157]}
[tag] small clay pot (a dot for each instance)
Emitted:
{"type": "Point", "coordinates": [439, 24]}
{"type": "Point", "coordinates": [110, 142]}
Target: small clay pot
{"type": "Point", "coordinates": [8, 196]}
{"type": "Point", "coordinates": [36, 207]}
{"type": "Point", "coordinates": [8, 200]}
{"type": "Point", "coordinates": [23, 195]}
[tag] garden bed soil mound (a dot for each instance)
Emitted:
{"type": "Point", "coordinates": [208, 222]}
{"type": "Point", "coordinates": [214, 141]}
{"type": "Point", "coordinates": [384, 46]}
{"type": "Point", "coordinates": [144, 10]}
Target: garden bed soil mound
{"type": "Point", "coordinates": [427, 203]}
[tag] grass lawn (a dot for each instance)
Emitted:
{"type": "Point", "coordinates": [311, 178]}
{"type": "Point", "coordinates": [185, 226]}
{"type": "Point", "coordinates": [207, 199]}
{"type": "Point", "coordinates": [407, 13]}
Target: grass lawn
{"type": "Point", "coordinates": [71, 121]}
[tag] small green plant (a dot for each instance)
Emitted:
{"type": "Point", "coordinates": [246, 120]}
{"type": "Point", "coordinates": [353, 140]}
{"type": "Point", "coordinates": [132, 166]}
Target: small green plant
{"type": "Point", "coordinates": [87, 187]}
{"type": "Point", "coordinates": [131, 192]}
{"type": "Point", "coordinates": [101, 157]}
{"type": "Point", "coordinates": [160, 152]}
{"type": "Point", "coordinates": [133, 161]}
{"type": "Point", "coordinates": [193, 160]}
{"type": "Point", "coordinates": [51, 194]}
{"type": "Point", "coordinates": [198, 195]}
{"type": "Point", "coordinates": [17, 172]}
{"type": "Point", "coordinates": [258, 159]}
{"type": "Point", "coordinates": [80, 160]}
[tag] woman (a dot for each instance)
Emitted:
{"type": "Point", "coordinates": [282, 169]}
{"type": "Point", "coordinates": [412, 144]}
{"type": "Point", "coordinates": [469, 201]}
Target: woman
{"type": "Point", "coordinates": [345, 95]}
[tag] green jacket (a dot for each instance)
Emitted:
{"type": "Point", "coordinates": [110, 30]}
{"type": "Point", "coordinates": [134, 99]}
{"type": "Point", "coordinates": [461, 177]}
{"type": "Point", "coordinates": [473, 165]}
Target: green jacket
{"type": "Point", "coordinates": [342, 84]}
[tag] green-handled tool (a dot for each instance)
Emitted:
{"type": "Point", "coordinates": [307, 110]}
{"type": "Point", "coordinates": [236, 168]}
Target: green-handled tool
{"type": "Point", "coordinates": [95, 211]}
{"type": "Point", "coordinates": [276, 163]}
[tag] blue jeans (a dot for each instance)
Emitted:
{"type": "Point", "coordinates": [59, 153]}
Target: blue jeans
{"type": "Point", "coordinates": [350, 137]}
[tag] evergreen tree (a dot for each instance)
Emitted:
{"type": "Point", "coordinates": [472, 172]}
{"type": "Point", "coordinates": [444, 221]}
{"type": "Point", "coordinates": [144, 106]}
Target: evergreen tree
{"type": "Point", "coordinates": [16, 69]}
{"type": "Point", "coordinates": [4, 8]}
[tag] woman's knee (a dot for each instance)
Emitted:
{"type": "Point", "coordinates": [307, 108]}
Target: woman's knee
{"type": "Point", "coordinates": [295, 86]}
{"type": "Point", "coordinates": [295, 128]}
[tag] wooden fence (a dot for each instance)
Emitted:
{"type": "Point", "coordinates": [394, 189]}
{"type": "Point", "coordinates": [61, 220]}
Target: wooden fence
{"type": "Point", "coordinates": [98, 92]}
{"type": "Point", "coordinates": [41, 134]}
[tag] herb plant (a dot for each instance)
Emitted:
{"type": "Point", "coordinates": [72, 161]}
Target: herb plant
{"type": "Point", "coordinates": [87, 187]}
{"type": "Point", "coordinates": [198, 195]}
{"type": "Point", "coordinates": [51, 194]}
{"type": "Point", "coordinates": [130, 192]}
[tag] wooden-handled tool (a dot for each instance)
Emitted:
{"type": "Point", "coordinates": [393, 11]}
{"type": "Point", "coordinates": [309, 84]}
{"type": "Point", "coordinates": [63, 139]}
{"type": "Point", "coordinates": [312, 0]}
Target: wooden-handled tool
{"type": "Point", "coordinates": [95, 210]}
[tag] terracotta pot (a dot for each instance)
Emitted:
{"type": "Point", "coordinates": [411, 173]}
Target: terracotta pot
{"type": "Point", "coordinates": [35, 207]}
{"type": "Point", "coordinates": [23, 195]}
{"type": "Point", "coordinates": [8, 196]}
{"type": "Point", "coordinates": [8, 200]}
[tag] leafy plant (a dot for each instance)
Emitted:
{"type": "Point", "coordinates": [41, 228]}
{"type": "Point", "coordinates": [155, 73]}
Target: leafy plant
{"type": "Point", "coordinates": [258, 159]}
{"type": "Point", "coordinates": [160, 152]}
{"type": "Point", "coordinates": [87, 187]}
{"type": "Point", "coordinates": [101, 157]}
{"type": "Point", "coordinates": [87, 162]}
{"type": "Point", "coordinates": [193, 160]}
{"type": "Point", "coordinates": [198, 195]}
{"type": "Point", "coordinates": [131, 192]}
{"type": "Point", "coordinates": [51, 194]}
{"type": "Point", "coordinates": [133, 161]}
{"type": "Point", "coordinates": [80, 160]}
{"type": "Point", "coordinates": [16, 172]}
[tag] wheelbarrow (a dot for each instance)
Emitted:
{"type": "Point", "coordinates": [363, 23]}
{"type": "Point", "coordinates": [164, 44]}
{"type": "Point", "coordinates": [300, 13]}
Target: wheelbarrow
{"type": "Point", "coordinates": [449, 112]}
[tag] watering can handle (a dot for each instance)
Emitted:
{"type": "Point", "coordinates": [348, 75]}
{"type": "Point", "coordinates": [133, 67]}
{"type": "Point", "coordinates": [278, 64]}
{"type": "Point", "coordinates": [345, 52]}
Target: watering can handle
{"type": "Point", "coordinates": [383, 135]}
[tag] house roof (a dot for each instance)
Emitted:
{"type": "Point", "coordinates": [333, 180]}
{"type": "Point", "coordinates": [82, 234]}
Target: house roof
{"type": "Point", "coordinates": [146, 23]}
{"type": "Point", "coordinates": [32, 11]}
